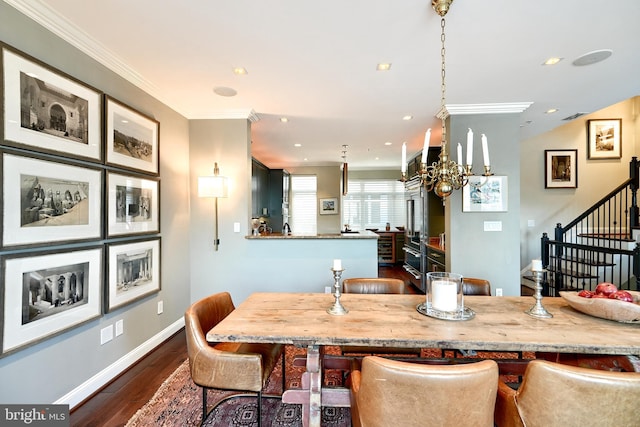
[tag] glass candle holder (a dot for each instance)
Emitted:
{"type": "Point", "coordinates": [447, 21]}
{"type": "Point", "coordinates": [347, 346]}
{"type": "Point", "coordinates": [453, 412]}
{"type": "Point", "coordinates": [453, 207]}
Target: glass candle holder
{"type": "Point", "coordinates": [444, 292]}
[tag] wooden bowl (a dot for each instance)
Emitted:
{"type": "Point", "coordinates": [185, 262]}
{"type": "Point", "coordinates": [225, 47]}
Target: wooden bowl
{"type": "Point", "coordinates": [604, 308]}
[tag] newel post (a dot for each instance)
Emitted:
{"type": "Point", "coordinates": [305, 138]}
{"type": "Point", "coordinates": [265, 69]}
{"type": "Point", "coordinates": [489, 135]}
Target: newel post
{"type": "Point", "coordinates": [634, 213]}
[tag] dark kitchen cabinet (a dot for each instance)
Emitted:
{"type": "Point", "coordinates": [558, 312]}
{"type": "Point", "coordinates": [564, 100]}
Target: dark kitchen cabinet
{"type": "Point", "coordinates": [259, 189]}
{"type": "Point", "coordinates": [278, 203]}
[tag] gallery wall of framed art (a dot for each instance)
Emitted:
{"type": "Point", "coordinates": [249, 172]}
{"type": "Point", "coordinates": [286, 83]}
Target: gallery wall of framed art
{"type": "Point", "coordinates": [80, 196]}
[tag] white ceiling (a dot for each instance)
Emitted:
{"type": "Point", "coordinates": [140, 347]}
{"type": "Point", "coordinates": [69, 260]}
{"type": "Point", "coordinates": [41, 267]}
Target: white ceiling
{"type": "Point", "coordinates": [315, 63]}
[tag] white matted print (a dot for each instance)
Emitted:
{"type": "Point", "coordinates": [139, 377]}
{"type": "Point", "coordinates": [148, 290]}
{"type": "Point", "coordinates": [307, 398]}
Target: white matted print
{"type": "Point", "coordinates": [48, 111]}
{"type": "Point", "coordinates": [133, 205]}
{"type": "Point", "coordinates": [45, 294]}
{"type": "Point", "coordinates": [45, 202]}
{"type": "Point", "coordinates": [485, 194]}
{"type": "Point", "coordinates": [132, 138]}
{"type": "Point", "coordinates": [134, 272]}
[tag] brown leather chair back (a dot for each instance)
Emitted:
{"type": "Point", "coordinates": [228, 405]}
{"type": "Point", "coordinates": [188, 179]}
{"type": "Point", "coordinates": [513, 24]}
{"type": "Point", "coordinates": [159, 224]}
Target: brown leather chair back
{"type": "Point", "coordinates": [218, 366]}
{"type": "Point", "coordinates": [378, 285]}
{"type": "Point", "coordinates": [557, 395]}
{"type": "Point", "coordinates": [392, 393]}
{"type": "Point", "coordinates": [472, 286]}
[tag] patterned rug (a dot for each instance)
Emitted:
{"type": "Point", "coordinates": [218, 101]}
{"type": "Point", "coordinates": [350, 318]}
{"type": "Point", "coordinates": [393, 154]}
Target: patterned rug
{"type": "Point", "coordinates": [178, 402]}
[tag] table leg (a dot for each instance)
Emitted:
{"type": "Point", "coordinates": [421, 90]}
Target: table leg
{"type": "Point", "coordinates": [310, 395]}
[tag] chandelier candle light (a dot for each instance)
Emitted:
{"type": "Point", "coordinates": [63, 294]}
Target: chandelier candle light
{"type": "Point", "coordinates": [446, 175]}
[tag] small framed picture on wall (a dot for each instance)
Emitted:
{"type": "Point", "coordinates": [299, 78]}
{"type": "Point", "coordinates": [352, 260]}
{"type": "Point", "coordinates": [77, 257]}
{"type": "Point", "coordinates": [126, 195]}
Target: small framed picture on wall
{"type": "Point", "coordinates": [561, 169]}
{"type": "Point", "coordinates": [604, 138]}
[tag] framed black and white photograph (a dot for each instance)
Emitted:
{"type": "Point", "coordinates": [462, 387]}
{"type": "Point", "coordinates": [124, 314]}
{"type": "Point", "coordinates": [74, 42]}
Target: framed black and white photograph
{"type": "Point", "coordinates": [133, 205]}
{"type": "Point", "coordinates": [561, 168]}
{"type": "Point", "coordinates": [48, 111]}
{"type": "Point", "coordinates": [485, 194]}
{"type": "Point", "coordinates": [132, 138]}
{"type": "Point", "coordinates": [604, 138]}
{"type": "Point", "coordinates": [46, 202]}
{"type": "Point", "coordinates": [329, 206]}
{"type": "Point", "coordinates": [133, 272]}
{"type": "Point", "coordinates": [48, 293]}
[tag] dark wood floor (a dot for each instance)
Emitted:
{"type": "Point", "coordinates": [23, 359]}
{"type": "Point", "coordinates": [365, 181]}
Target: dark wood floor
{"type": "Point", "coordinates": [115, 404]}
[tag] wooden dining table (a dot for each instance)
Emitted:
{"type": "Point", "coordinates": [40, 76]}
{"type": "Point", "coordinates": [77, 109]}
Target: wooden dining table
{"type": "Point", "coordinates": [499, 324]}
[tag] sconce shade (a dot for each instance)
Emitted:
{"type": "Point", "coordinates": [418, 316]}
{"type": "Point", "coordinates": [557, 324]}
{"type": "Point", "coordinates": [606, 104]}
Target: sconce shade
{"type": "Point", "coordinates": [212, 186]}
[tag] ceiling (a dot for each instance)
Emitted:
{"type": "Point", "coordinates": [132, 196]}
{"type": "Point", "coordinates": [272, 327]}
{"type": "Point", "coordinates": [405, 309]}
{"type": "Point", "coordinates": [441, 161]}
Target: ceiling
{"type": "Point", "coordinates": [315, 64]}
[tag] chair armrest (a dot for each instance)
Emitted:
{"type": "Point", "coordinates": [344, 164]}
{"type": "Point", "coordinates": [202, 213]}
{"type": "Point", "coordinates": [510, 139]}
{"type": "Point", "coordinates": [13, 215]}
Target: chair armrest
{"type": "Point", "coordinates": [506, 411]}
{"type": "Point", "coordinates": [355, 378]}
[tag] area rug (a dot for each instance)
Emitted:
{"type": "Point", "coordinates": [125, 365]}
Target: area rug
{"type": "Point", "coordinates": [178, 402]}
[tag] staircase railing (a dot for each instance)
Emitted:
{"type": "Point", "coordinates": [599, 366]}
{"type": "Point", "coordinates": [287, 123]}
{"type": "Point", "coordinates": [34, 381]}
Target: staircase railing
{"type": "Point", "coordinates": [597, 246]}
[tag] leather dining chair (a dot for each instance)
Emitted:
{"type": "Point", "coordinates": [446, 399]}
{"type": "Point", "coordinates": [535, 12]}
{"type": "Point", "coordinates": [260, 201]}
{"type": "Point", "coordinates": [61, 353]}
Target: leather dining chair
{"type": "Point", "coordinates": [473, 286]}
{"type": "Point", "coordinates": [226, 366]}
{"type": "Point", "coordinates": [389, 392]}
{"type": "Point", "coordinates": [376, 285]}
{"type": "Point", "coordinates": [558, 395]}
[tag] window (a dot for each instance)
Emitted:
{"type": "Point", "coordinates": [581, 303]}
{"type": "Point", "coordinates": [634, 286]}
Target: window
{"type": "Point", "coordinates": [304, 204]}
{"type": "Point", "coordinates": [373, 203]}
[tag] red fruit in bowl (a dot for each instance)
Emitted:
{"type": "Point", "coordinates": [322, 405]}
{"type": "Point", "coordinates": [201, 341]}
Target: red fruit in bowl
{"type": "Point", "coordinates": [585, 293]}
{"type": "Point", "coordinates": [622, 296]}
{"type": "Point", "coordinates": [599, 296]}
{"type": "Point", "coordinates": [606, 289]}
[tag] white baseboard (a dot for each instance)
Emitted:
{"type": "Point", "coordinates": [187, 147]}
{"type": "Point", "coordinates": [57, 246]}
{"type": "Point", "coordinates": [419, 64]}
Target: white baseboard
{"type": "Point", "coordinates": [95, 383]}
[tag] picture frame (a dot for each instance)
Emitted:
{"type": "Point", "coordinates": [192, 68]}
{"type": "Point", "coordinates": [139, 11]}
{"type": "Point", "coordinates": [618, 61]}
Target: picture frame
{"type": "Point", "coordinates": [485, 194]}
{"type": "Point", "coordinates": [45, 201]}
{"type": "Point", "coordinates": [48, 111]}
{"type": "Point", "coordinates": [133, 205]}
{"type": "Point", "coordinates": [132, 138]}
{"type": "Point", "coordinates": [47, 293]}
{"type": "Point", "coordinates": [561, 168]}
{"type": "Point", "coordinates": [604, 139]}
{"type": "Point", "coordinates": [329, 206]}
{"type": "Point", "coordinates": [133, 272]}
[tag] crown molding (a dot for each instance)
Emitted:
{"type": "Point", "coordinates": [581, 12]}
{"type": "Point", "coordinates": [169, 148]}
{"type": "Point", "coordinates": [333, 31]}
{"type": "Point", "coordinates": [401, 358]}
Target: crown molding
{"type": "Point", "coordinates": [50, 19]}
{"type": "Point", "coordinates": [497, 108]}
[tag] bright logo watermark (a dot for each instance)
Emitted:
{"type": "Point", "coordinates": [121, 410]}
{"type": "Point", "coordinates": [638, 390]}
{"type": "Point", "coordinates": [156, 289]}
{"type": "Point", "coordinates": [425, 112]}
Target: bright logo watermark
{"type": "Point", "coordinates": [34, 415]}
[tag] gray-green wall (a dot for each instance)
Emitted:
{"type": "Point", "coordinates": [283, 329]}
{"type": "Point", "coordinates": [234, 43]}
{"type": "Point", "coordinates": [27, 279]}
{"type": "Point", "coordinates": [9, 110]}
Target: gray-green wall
{"type": "Point", "coordinates": [47, 371]}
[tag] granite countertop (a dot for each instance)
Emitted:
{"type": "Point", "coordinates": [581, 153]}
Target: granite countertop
{"type": "Point", "coordinates": [292, 236]}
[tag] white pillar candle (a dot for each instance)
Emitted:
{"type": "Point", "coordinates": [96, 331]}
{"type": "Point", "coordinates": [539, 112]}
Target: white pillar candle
{"type": "Point", "coordinates": [337, 264]}
{"type": "Point", "coordinates": [404, 158]}
{"type": "Point", "coordinates": [536, 265]}
{"type": "Point", "coordinates": [485, 150]}
{"type": "Point", "coordinates": [470, 147]}
{"type": "Point", "coordinates": [459, 153]}
{"type": "Point", "coordinates": [425, 148]}
{"type": "Point", "coordinates": [445, 295]}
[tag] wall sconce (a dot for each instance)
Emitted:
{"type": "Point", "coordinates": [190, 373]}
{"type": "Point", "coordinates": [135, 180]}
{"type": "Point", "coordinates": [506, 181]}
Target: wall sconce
{"type": "Point", "coordinates": [213, 186]}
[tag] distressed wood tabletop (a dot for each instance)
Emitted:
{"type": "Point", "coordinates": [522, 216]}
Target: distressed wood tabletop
{"type": "Point", "coordinates": [500, 324]}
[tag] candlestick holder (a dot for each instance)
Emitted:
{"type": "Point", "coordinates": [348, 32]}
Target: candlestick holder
{"type": "Point", "coordinates": [537, 310]}
{"type": "Point", "coordinates": [337, 309]}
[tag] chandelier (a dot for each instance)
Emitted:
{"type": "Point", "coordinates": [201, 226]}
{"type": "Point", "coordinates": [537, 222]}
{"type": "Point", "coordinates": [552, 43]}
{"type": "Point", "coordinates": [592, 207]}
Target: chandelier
{"type": "Point", "coordinates": [446, 175]}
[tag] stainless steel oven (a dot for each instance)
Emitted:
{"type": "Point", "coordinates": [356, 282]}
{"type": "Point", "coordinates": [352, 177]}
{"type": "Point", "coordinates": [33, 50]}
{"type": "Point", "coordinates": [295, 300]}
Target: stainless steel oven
{"type": "Point", "coordinates": [414, 248]}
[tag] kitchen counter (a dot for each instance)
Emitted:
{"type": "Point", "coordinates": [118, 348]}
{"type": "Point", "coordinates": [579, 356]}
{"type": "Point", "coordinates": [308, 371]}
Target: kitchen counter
{"type": "Point", "coordinates": [300, 236]}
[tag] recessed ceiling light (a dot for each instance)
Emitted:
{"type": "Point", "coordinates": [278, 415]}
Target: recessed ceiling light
{"type": "Point", "coordinates": [551, 110]}
{"type": "Point", "coordinates": [552, 61]}
{"type": "Point", "coordinates": [383, 66]}
{"type": "Point", "coordinates": [297, 145]}
{"type": "Point", "coordinates": [284, 119]}
{"type": "Point", "coordinates": [377, 158]}
{"type": "Point", "coordinates": [241, 71]}
{"type": "Point", "coordinates": [224, 91]}
{"type": "Point", "coordinates": [124, 121]}
{"type": "Point", "coordinates": [593, 57]}
{"type": "Point", "coordinates": [407, 118]}
{"type": "Point", "coordinates": [387, 143]}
